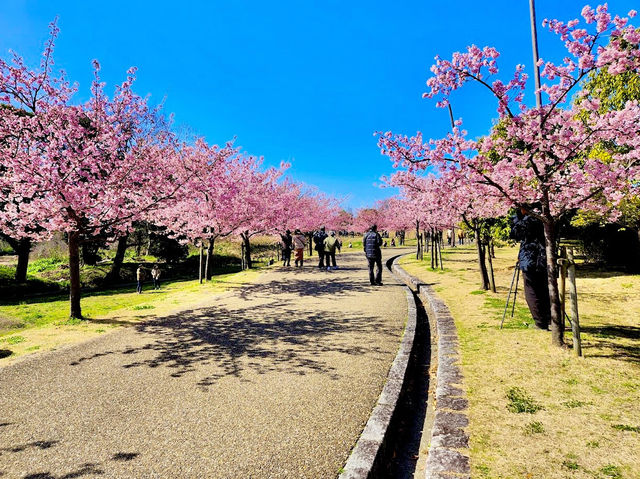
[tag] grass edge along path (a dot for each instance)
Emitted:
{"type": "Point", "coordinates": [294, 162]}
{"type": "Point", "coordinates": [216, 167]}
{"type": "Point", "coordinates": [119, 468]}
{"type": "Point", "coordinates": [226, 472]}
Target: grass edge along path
{"type": "Point", "coordinates": [535, 410]}
{"type": "Point", "coordinates": [43, 324]}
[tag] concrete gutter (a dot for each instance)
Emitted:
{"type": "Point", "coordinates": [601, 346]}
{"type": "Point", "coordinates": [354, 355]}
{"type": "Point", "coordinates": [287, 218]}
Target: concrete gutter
{"type": "Point", "coordinates": [448, 455]}
{"type": "Point", "coordinates": [364, 460]}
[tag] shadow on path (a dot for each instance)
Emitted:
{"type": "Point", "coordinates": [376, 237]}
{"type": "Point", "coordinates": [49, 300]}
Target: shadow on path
{"type": "Point", "coordinates": [271, 336]}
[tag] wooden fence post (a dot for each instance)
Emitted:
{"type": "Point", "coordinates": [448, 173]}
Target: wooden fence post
{"type": "Point", "coordinates": [573, 296]}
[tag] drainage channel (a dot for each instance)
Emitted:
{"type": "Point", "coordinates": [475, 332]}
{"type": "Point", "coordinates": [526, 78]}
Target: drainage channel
{"type": "Point", "coordinates": [393, 444]}
{"type": "Point", "coordinates": [404, 439]}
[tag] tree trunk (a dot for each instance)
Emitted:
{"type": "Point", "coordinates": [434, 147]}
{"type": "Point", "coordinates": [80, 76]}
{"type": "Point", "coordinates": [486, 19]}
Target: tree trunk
{"type": "Point", "coordinates": [74, 275]}
{"type": "Point", "coordinates": [247, 249]}
{"type": "Point", "coordinates": [22, 249]}
{"type": "Point", "coordinates": [418, 240]}
{"type": "Point", "coordinates": [114, 274]}
{"type": "Point", "coordinates": [492, 279]}
{"type": "Point", "coordinates": [484, 277]}
{"type": "Point", "coordinates": [440, 251]}
{"type": "Point", "coordinates": [209, 263]}
{"type": "Point", "coordinates": [310, 235]}
{"type": "Point", "coordinates": [557, 329]}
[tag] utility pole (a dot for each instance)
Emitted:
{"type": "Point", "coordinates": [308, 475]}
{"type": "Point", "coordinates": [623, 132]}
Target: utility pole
{"type": "Point", "coordinates": [534, 42]}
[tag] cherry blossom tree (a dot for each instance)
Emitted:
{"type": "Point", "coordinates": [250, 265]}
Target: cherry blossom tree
{"type": "Point", "coordinates": [29, 100]}
{"type": "Point", "coordinates": [541, 155]}
{"type": "Point", "coordinates": [86, 170]}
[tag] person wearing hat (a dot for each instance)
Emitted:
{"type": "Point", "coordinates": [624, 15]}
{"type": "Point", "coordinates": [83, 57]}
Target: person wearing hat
{"type": "Point", "coordinates": [371, 243]}
{"type": "Point", "coordinates": [299, 242]}
{"type": "Point", "coordinates": [331, 243]}
{"type": "Point", "coordinates": [287, 244]}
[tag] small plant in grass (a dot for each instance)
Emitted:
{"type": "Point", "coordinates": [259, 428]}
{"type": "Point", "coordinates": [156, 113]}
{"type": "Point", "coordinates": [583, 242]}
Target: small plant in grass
{"type": "Point", "coordinates": [611, 470]}
{"type": "Point", "coordinates": [570, 381]}
{"type": "Point", "coordinates": [575, 403]}
{"type": "Point", "coordinates": [520, 401]}
{"type": "Point", "coordinates": [593, 444]}
{"type": "Point", "coordinates": [485, 471]}
{"type": "Point", "coordinates": [534, 427]}
{"type": "Point", "coordinates": [626, 427]}
{"type": "Point", "coordinates": [143, 306]}
{"type": "Point", "coordinates": [15, 339]}
{"type": "Point", "coordinates": [100, 330]}
{"type": "Point", "coordinates": [33, 348]}
{"type": "Point", "coordinates": [570, 464]}
{"type": "Point", "coordinates": [479, 291]}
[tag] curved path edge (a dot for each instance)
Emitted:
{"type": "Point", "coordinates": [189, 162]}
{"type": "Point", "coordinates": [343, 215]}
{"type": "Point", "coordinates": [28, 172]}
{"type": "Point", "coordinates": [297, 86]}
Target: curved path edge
{"type": "Point", "coordinates": [367, 451]}
{"type": "Point", "coordinates": [448, 455]}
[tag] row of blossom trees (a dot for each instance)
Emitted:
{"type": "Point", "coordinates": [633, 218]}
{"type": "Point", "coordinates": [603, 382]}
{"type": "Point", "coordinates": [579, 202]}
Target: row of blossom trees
{"type": "Point", "coordinates": [90, 170]}
{"type": "Point", "coordinates": [561, 155]}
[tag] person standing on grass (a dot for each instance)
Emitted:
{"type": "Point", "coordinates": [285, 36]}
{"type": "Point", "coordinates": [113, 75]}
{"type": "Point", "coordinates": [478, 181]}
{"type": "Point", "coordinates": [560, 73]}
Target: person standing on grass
{"type": "Point", "coordinates": [287, 244]}
{"type": "Point", "coordinates": [371, 243]}
{"type": "Point", "coordinates": [532, 261]}
{"type": "Point", "coordinates": [155, 275]}
{"type": "Point", "coordinates": [331, 243]}
{"type": "Point", "coordinates": [299, 243]}
{"type": "Point", "coordinates": [139, 278]}
{"type": "Point", "coordinates": [318, 241]}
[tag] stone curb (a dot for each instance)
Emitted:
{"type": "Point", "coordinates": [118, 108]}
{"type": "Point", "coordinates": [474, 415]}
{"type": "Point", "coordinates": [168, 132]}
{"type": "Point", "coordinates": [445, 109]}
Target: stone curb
{"type": "Point", "coordinates": [365, 455]}
{"type": "Point", "coordinates": [448, 455]}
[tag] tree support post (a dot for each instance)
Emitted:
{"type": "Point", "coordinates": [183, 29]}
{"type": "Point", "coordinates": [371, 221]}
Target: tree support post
{"type": "Point", "coordinates": [573, 296]}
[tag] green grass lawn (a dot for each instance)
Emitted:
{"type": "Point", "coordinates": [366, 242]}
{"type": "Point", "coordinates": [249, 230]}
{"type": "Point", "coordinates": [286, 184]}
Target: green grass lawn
{"type": "Point", "coordinates": [42, 323]}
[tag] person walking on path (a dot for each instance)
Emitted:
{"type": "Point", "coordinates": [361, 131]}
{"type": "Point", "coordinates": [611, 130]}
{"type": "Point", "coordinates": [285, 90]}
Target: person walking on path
{"type": "Point", "coordinates": [371, 244]}
{"type": "Point", "coordinates": [532, 260]}
{"type": "Point", "coordinates": [155, 276]}
{"type": "Point", "coordinates": [139, 278]}
{"type": "Point", "coordinates": [331, 243]}
{"type": "Point", "coordinates": [287, 244]}
{"type": "Point", "coordinates": [318, 241]}
{"type": "Point", "coordinates": [299, 243]}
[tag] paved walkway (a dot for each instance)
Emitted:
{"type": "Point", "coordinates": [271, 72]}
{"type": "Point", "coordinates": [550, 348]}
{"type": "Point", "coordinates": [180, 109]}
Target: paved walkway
{"type": "Point", "coordinates": [274, 380]}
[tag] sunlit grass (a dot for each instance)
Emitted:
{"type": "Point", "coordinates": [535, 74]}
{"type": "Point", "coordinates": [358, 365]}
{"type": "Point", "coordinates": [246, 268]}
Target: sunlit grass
{"type": "Point", "coordinates": [572, 406]}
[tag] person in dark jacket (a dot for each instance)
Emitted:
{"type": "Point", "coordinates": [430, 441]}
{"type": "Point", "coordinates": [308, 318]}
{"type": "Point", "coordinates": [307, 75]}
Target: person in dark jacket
{"type": "Point", "coordinates": [318, 241]}
{"type": "Point", "coordinates": [532, 260]}
{"type": "Point", "coordinates": [371, 243]}
{"type": "Point", "coordinates": [287, 246]}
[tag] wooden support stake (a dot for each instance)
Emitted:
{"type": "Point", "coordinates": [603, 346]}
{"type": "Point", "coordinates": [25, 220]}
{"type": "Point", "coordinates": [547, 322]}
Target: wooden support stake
{"type": "Point", "coordinates": [573, 296]}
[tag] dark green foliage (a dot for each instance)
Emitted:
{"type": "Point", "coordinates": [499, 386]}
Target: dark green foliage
{"type": "Point", "coordinates": [167, 249]}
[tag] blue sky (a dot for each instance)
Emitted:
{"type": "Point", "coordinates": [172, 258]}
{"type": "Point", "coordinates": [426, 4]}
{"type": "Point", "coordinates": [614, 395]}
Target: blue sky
{"type": "Point", "coordinates": [304, 81]}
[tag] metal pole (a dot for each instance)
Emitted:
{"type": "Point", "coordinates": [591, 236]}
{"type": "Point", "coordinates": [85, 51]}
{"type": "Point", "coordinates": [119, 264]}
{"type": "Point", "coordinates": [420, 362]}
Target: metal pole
{"type": "Point", "coordinates": [534, 42]}
{"type": "Point", "coordinates": [506, 306]}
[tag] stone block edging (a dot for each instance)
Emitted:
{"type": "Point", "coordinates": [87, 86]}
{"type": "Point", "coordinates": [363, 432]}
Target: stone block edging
{"type": "Point", "coordinates": [365, 455]}
{"type": "Point", "coordinates": [449, 445]}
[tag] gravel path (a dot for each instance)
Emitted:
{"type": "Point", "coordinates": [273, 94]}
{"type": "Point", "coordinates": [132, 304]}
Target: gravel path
{"type": "Point", "coordinates": [274, 380]}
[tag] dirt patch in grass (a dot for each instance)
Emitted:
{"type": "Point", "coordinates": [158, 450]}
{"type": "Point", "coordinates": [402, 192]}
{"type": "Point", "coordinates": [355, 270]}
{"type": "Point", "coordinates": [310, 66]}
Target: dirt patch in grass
{"type": "Point", "coordinates": [43, 324]}
{"type": "Point", "coordinates": [538, 411]}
